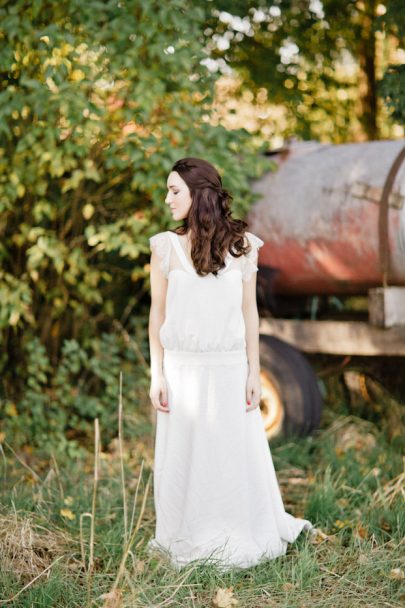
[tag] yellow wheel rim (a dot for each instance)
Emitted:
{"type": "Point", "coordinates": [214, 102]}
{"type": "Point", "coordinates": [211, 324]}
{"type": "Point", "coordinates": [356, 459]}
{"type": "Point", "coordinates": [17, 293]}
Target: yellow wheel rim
{"type": "Point", "coordinates": [271, 404]}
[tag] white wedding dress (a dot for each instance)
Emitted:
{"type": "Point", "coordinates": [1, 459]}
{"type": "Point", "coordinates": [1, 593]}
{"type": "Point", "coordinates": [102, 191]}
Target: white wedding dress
{"type": "Point", "coordinates": [216, 493]}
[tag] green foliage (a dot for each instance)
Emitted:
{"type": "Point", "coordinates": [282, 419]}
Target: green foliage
{"type": "Point", "coordinates": [319, 60]}
{"type": "Point", "coordinates": [58, 403]}
{"type": "Point", "coordinates": [392, 88]}
{"type": "Point", "coordinates": [97, 101]}
{"type": "Point", "coordinates": [392, 85]}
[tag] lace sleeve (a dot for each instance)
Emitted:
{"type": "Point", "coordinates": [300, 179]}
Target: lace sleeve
{"type": "Point", "coordinates": [250, 259]}
{"type": "Point", "coordinates": [161, 244]}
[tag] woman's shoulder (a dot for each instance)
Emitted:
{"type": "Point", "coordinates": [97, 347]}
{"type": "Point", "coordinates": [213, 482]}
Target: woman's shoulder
{"type": "Point", "coordinates": [159, 236]}
{"type": "Point", "coordinates": [250, 259]}
{"type": "Point", "coordinates": [253, 240]}
{"type": "Point", "coordinates": [160, 242]}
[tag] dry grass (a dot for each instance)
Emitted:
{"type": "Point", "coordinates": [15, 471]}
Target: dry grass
{"type": "Point", "coordinates": [28, 549]}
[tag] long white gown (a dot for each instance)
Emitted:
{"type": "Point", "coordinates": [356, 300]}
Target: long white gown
{"type": "Point", "coordinates": [216, 494]}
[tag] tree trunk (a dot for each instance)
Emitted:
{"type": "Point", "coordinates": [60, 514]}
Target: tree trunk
{"type": "Point", "coordinates": [367, 61]}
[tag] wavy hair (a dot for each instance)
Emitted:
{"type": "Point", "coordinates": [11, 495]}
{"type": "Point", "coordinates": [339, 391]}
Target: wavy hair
{"type": "Point", "coordinates": [214, 232]}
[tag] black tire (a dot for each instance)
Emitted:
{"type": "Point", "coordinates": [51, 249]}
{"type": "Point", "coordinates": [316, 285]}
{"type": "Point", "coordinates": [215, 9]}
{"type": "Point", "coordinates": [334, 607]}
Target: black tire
{"type": "Point", "coordinates": [294, 390]}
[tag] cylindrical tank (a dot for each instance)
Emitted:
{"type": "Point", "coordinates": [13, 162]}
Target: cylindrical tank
{"type": "Point", "coordinates": [319, 215]}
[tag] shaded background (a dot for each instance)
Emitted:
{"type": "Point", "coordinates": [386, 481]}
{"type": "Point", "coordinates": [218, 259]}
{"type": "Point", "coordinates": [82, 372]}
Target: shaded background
{"type": "Point", "coordinates": [97, 101]}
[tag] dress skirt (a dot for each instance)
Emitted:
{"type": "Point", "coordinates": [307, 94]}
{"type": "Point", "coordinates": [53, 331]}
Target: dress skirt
{"type": "Point", "coordinates": [216, 493]}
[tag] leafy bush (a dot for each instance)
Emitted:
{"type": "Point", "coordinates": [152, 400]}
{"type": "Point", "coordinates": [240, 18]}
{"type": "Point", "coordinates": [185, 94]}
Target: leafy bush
{"type": "Point", "coordinates": [97, 101]}
{"type": "Point", "coordinates": [57, 405]}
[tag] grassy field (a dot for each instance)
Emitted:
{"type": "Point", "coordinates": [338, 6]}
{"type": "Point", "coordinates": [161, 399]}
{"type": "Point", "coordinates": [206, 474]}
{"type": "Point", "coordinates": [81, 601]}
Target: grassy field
{"type": "Point", "coordinates": [67, 540]}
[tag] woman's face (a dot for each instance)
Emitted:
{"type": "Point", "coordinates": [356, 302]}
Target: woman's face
{"type": "Point", "coordinates": [178, 196]}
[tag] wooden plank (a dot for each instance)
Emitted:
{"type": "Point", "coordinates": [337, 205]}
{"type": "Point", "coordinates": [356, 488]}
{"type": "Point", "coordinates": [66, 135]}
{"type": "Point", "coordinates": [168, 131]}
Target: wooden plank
{"type": "Point", "coordinates": [336, 337]}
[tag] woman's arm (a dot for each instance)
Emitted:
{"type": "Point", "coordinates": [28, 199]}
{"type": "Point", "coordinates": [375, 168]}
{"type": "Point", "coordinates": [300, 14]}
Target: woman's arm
{"type": "Point", "coordinates": [158, 288]}
{"type": "Point", "coordinates": [158, 284]}
{"type": "Point", "coordinates": [251, 317]}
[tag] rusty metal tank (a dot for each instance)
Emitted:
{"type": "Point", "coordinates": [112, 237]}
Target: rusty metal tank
{"type": "Point", "coordinates": [333, 217]}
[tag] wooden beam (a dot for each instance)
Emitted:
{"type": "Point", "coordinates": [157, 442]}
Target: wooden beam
{"type": "Point", "coordinates": [336, 337]}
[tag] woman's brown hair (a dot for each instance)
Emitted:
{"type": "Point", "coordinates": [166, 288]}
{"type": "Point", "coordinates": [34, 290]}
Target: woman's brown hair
{"type": "Point", "coordinates": [213, 231]}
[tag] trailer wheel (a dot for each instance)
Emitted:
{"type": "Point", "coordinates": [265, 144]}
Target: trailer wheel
{"type": "Point", "coordinates": [291, 402]}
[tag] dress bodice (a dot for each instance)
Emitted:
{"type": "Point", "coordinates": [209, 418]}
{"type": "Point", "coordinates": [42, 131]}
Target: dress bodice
{"type": "Point", "coordinates": [203, 313]}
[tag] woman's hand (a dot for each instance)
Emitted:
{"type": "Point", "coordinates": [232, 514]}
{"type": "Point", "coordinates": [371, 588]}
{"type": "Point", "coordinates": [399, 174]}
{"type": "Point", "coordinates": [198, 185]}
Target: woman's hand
{"type": "Point", "coordinates": [253, 391]}
{"type": "Point", "coordinates": [158, 393]}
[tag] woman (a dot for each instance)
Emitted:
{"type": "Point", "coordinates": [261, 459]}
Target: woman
{"type": "Point", "coordinates": [215, 488]}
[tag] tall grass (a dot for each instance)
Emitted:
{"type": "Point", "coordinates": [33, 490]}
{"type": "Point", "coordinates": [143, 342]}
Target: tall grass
{"type": "Point", "coordinates": [73, 534]}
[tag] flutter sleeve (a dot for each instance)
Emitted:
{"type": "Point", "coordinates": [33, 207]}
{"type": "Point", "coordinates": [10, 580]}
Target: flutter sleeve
{"type": "Point", "coordinates": [250, 259]}
{"type": "Point", "coordinates": [161, 244]}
